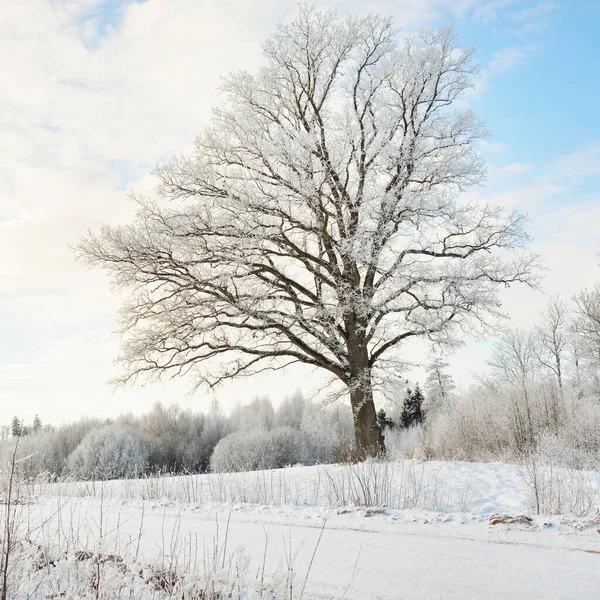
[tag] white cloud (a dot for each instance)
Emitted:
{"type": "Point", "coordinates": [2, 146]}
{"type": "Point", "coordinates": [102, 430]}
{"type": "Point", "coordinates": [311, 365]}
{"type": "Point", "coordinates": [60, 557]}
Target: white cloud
{"type": "Point", "coordinates": [501, 62]}
{"type": "Point", "coordinates": [490, 147]}
{"type": "Point", "coordinates": [534, 11]}
{"type": "Point", "coordinates": [518, 17]}
{"type": "Point", "coordinates": [581, 164]}
{"type": "Point", "coordinates": [488, 12]}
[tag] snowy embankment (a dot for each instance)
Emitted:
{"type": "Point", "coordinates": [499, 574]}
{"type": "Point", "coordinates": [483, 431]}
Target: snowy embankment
{"type": "Point", "coordinates": [423, 532]}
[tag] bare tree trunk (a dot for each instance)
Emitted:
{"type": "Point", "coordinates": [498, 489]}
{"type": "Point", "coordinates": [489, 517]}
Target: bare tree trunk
{"type": "Point", "coordinates": [530, 428]}
{"type": "Point", "coordinates": [369, 436]}
{"type": "Point", "coordinates": [367, 431]}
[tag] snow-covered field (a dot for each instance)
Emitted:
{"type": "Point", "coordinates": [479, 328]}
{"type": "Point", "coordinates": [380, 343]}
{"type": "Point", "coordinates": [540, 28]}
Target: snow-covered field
{"type": "Point", "coordinates": [424, 534]}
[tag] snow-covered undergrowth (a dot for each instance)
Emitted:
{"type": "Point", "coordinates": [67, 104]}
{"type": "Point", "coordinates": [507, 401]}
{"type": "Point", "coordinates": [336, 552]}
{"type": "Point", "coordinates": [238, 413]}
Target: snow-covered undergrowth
{"type": "Point", "coordinates": [43, 574]}
{"type": "Point", "coordinates": [482, 488]}
{"type": "Point", "coordinates": [402, 485]}
{"type": "Point", "coordinates": [76, 548]}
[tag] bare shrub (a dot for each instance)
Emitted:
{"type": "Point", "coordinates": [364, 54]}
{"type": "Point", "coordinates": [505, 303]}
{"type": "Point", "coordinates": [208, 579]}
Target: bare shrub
{"type": "Point", "coordinates": [554, 486]}
{"type": "Point", "coordinates": [412, 442]}
{"type": "Point", "coordinates": [404, 485]}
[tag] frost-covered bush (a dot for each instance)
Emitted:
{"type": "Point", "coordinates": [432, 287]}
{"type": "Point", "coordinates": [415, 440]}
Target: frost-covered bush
{"type": "Point", "coordinates": [410, 442]}
{"type": "Point", "coordinates": [243, 451]}
{"type": "Point", "coordinates": [45, 453]}
{"type": "Point", "coordinates": [491, 425]}
{"type": "Point", "coordinates": [179, 440]}
{"type": "Point", "coordinates": [290, 447]}
{"type": "Point", "coordinates": [554, 478]}
{"type": "Point", "coordinates": [330, 433]}
{"type": "Point", "coordinates": [109, 452]}
{"type": "Point", "coordinates": [261, 449]}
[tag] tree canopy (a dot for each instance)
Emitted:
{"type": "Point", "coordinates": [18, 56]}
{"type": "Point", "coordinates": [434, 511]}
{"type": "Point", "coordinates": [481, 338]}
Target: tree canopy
{"type": "Point", "coordinates": [318, 219]}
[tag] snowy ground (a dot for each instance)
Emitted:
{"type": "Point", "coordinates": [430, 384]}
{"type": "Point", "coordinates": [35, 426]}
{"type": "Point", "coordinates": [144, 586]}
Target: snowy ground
{"type": "Point", "coordinates": [435, 543]}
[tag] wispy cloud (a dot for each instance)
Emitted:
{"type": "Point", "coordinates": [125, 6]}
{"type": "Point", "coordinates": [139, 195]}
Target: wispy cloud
{"type": "Point", "coordinates": [515, 16]}
{"type": "Point", "coordinates": [506, 59]}
{"type": "Point", "coordinates": [488, 12]}
{"type": "Point", "coordinates": [509, 170]}
{"type": "Point", "coordinates": [536, 13]}
{"type": "Point", "coordinates": [491, 147]}
{"type": "Point", "coordinates": [583, 164]}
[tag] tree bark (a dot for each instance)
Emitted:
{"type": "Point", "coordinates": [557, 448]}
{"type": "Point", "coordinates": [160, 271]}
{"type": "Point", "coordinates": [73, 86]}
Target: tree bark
{"type": "Point", "coordinates": [367, 431]}
{"type": "Point", "coordinates": [368, 434]}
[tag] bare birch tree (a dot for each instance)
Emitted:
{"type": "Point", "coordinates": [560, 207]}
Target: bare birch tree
{"type": "Point", "coordinates": [587, 331]}
{"type": "Point", "coordinates": [553, 337]}
{"type": "Point", "coordinates": [514, 364]}
{"type": "Point", "coordinates": [317, 221]}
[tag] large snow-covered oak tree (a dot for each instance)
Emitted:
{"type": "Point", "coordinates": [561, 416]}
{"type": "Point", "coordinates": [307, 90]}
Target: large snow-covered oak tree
{"type": "Point", "coordinates": [317, 221]}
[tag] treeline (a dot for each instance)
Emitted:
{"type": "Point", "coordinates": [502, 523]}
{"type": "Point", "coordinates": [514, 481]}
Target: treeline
{"type": "Point", "coordinates": [174, 440]}
{"type": "Point", "coordinates": [540, 395]}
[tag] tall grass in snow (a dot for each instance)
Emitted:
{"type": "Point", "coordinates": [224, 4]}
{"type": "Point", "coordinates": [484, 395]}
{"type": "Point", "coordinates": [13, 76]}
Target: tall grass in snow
{"type": "Point", "coordinates": [54, 554]}
{"type": "Point", "coordinates": [401, 485]}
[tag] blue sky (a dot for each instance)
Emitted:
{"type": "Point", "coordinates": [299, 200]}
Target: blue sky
{"type": "Point", "coordinates": [547, 102]}
{"type": "Point", "coordinates": [95, 94]}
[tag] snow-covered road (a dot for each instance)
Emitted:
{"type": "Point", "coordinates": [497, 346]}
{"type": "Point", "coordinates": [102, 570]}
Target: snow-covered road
{"type": "Point", "coordinates": [398, 555]}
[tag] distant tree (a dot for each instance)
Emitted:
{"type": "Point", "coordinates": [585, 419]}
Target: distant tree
{"type": "Point", "coordinates": [258, 414]}
{"type": "Point", "coordinates": [438, 385]}
{"type": "Point", "coordinates": [290, 447]}
{"type": "Point", "coordinates": [175, 439]}
{"type": "Point", "coordinates": [587, 330]}
{"type": "Point", "coordinates": [588, 317]}
{"type": "Point", "coordinates": [514, 365]}
{"type": "Point", "coordinates": [329, 430]}
{"type": "Point", "coordinates": [412, 410]}
{"type": "Point", "coordinates": [553, 337]}
{"type": "Point", "coordinates": [291, 411]}
{"type": "Point", "coordinates": [16, 427]}
{"type": "Point", "coordinates": [318, 221]}
{"type": "Point", "coordinates": [37, 423]}
{"type": "Point", "coordinates": [67, 438]}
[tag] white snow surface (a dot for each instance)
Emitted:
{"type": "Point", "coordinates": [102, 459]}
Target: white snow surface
{"type": "Point", "coordinates": [440, 547]}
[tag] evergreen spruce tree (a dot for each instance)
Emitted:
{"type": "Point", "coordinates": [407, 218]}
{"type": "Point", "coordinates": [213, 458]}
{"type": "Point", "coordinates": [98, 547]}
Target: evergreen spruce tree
{"type": "Point", "coordinates": [412, 410]}
{"type": "Point", "coordinates": [384, 421]}
{"type": "Point", "coordinates": [16, 427]}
